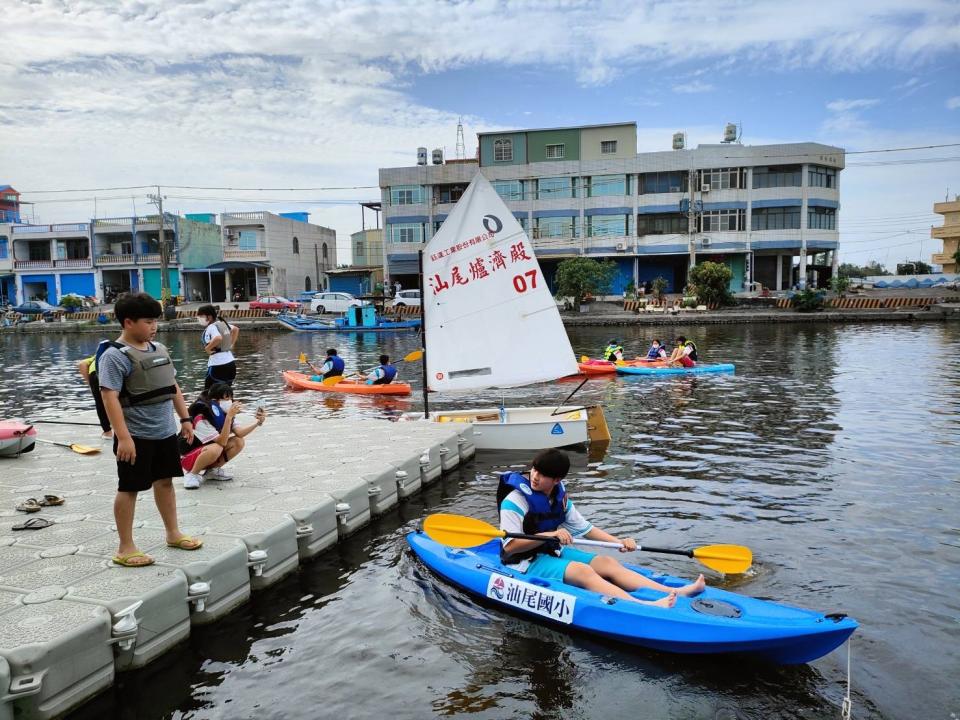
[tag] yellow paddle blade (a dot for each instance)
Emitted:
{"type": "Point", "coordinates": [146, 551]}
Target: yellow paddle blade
{"type": "Point", "coordinates": [728, 559]}
{"type": "Point", "coordinates": [584, 358]}
{"type": "Point", "coordinates": [415, 355]}
{"type": "Point", "coordinates": [333, 380]}
{"type": "Point", "coordinates": [620, 363]}
{"type": "Point", "coordinates": [302, 358]}
{"type": "Point", "coordinates": [459, 531]}
{"type": "Point", "coordinates": [84, 449]}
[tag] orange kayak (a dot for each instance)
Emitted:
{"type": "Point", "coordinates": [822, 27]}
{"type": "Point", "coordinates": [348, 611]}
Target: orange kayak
{"type": "Point", "coordinates": [597, 367]}
{"type": "Point", "coordinates": [348, 385]}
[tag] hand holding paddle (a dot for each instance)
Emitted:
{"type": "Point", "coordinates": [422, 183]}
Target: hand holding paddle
{"type": "Point", "coordinates": [465, 532]}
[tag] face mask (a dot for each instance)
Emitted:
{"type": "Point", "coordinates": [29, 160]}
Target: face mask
{"type": "Point", "coordinates": [203, 321]}
{"type": "Point", "coordinates": [225, 404]}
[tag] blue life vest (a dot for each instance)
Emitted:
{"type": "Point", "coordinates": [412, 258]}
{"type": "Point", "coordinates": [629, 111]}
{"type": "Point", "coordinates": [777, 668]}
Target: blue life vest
{"type": "Point", "coordinates": [336, 367]}
{"type": "Point", "coordinates": [543, 514]}
{"type": "Point", "coordinates": [654, 352]}
{"type": "Point", "coordinates": [389, 373]}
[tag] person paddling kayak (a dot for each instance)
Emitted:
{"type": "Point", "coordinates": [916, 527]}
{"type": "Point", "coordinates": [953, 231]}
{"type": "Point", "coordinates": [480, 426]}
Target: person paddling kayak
{"type": "Point", "coordinates": [539, 505]}
{"type": "Point", "coordinates": [384, 374]}
{"type": "Point", "coordinates": [331, 368]}
{"type": "Point", "coordinates": [656, 351]}
{"type": "Point", "coordinates": [613, 351]}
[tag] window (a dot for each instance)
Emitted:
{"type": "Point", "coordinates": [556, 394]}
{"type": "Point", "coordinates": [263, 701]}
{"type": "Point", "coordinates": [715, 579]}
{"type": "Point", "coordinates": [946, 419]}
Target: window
{"type": "Point", "coordinates": [555, 152]}
{"type": "Point", "coordinates": [557, 227]}
{"type": "Point", "coordinates": [777, 176]}
{"type": "Point", "coordinates": [608, 147]}
{"type": "Point", "coordinates": [663, 182]}
{"type": "Point", "coordinates": [405, 232]}
{"type": "Point", "coordinates": [296, 246]}
{"type": "Point", "coordinates": [503, 150]}
{"type": "Point", "coordinates": [509, 189]}
{"type": "Point", "coordinates": [819, 218]}
{"type": "Point", "coordinates": [601, 185]}
{"type": "Point", "coordinates": [444, 194]}
{"type": "Point", "coordinates": [406, 195]}
{"type": "Point", "coordinates": [556, 188]}
{"type": "Point", "coordinates": [662, 224]}
{"type": "Point", "coordinates": [248, 239]}
{"type": "Point", "coordinates": [307, 284]}
{"type": "Point", "coordinates": [10, 198]}
{"type": "Point", "coordinates": [607, 225]}
{"type": "Point", "coordinates": [722, 220]}
{"type": "Point", "coordinates": [723, 178]}
{"type": "Point", "coordinates": [39, 250]}
{"type": "Point", "coordinates": [323, 252]}
{"type": "Point", "coordinates": [779, 218]}
{"type": "Point", "coordinates": [822, 177]}
{"type": "Point", "coordinates": [524, 223]}
{"type": "Point", "coordinates": [3, 249]}
{"type": "Point", "coordinates": [358, 250]}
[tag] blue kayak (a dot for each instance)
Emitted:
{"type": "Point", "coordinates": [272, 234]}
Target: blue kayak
{"type": "Point", "coordinates": [695, 370]}
{"type": "Point", "coordinates": [715, 621]}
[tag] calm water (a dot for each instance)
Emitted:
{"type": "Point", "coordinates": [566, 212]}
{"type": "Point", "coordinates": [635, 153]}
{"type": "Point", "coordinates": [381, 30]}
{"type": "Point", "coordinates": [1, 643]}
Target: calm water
{"type": "Point", "coordinates": [833, 453]}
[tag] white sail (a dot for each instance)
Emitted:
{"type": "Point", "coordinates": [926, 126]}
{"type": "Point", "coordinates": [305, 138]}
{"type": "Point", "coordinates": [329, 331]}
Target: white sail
{"type": "Point", "coordinates": [490, 320]}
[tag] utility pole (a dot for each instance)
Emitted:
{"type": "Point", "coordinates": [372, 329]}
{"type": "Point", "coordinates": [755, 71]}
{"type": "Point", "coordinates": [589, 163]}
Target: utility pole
{"type": "Point", "coordinates": [165, 292]}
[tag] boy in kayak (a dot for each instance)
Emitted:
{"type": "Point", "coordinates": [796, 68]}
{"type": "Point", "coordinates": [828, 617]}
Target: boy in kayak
{"type": "Point", "coordinates": [540, 506]}
{"type": "Point", "coordinates": [685, 353]}
{"type": "Point", "coordinates": [331, 368]}
{"type": "Point", "coordinates": [384, 374]}
{"type": "Point", "coordinates": [613, 351]}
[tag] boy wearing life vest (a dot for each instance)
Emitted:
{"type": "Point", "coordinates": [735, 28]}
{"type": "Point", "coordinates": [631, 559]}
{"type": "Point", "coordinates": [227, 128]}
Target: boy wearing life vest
{"type": "Point", "coordinates": [685, 353]}
{"type": "Point", "coordinates": [613, 351]}
{"type": "Point", "coordinates": [384, 374]}
{"type": "Point", "coordinates": [331, 368]}
{"type": "Point", "coordinates": [218, 338]}
{"type": "Point", "coordinates": [140, 393]}
{"type": "Point", "coordinates": [539, 505]}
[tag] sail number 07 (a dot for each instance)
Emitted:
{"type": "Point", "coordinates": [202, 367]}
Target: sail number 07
{"type": "Point", "coordinates": [520, 281]}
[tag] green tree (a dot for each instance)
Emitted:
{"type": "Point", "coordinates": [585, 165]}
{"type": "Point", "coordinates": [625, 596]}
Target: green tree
{"type": "Point", "coordinates": [659, 288]}
{"type": "Point", "coordinates": [579, 277]}
{"type": "Point", "coordinates": [914, 267]}
{"type": "Point", "coordinates": [849, 270]}
{"type": "Point", "coordinates": [712, 283]}
{"type": "Point", "coordinates": [840, 284]}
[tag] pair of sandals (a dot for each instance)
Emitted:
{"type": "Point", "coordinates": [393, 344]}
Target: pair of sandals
{"type": "Point", "coordinates": [141, 559]}
{"type": "Point", "coordinates": [32, 505]}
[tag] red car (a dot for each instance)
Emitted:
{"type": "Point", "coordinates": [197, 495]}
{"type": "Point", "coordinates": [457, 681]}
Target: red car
{"type": "Point", "coordinates": [273, 302]}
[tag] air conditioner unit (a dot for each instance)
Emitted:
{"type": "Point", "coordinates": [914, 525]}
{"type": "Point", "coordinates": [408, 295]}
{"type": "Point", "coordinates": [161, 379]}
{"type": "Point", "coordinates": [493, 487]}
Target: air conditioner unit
{"type": "Point", "coordinates": [621, 247]}
{"type": "Point", "coordinates": [705, 242]}
{"type": "Point", "coordinates": [705, 188]}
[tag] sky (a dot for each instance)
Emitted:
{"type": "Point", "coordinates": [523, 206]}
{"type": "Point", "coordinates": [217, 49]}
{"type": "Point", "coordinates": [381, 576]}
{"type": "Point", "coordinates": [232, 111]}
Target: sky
{"type": "Point", "coordinates": [309, 94]}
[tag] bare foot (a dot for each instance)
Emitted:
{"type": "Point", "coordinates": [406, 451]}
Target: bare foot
{"type": "Point", "coordinates": [693, 588]}
{"type": "Point", "coordinates": [665, 602]}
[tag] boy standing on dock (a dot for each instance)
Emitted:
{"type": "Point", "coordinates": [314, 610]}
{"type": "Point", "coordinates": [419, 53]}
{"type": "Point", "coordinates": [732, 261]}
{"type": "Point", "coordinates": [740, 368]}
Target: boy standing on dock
{"type": "Point", "coordinates": [140, 392]}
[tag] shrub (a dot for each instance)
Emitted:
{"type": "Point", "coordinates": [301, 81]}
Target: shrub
{"type": "Point", "coordinates": [712, 283]}
{"type": "Point", "coordinates": [71, 303]}
{"type": "Point", "coordinates": [808, 300]}
{"type": "Point", "coordinates": [840, 284]}
{"type": "Point", "coordinates": [659, 288]}
{"type": "Point", "coordinates": [580, 277]}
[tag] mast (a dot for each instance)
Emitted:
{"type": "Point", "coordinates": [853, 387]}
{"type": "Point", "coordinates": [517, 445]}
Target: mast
{"type": "Point", "coordinates": [423, 336]}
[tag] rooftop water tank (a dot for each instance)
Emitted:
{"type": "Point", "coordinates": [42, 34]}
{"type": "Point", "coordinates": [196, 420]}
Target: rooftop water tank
{"type": "Point", "coordinates": [438, 156]}
{"type": "Point", "coordinates": [421, 156]}
{"type": "Point", "coordinates": [729, 133]}
{"type": "Point", "coordinates": [679, 140]}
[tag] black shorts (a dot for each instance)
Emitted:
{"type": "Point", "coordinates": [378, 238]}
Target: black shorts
{"type": "Point", "coordinates": [156, 460]}
{"type": "Point", "coordinates": [220, 373]}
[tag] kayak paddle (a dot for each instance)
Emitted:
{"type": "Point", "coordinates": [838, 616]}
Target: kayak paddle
{"type": "Point", "coordinates": [465, 532]}
{"type": "Point", "coordinates": [77, 448]}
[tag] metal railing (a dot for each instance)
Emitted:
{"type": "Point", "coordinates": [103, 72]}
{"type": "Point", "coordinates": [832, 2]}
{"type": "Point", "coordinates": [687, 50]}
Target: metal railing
{"type": "Point", "coordinates": [244, 254]}
{"type": "Point", "coordinates": [253, 215]}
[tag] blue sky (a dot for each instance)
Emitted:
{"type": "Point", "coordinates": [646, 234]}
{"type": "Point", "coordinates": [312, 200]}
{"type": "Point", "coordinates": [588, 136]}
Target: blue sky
{"type": "Point", "coordinates": [321, 94]}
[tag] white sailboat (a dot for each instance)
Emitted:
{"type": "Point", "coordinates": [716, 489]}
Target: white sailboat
{"type": "Point", "coordinates": [489, 321]}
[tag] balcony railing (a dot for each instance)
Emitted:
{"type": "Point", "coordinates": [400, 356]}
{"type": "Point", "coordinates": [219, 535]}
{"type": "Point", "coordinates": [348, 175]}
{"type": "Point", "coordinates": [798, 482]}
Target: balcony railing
{"type": "Point", "coordinates": [150, 258]}
{"type": "Point", "coordinates": [32, 264]}
{"type": "Point", "coordinates": [74, 263]}
{"type": "Point", "coordinates": [116, 259]}
{"type": "Point", "coordinates": [253, 215]}
{"type": "Point", "coordinates": [244, 254]}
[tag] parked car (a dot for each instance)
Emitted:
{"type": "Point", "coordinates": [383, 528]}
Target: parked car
{"type": "Point", "coordinates": [273, 302]}
{"type": "Point", "coordinates": [306, 296]}
{"type": "Point", "coordinates": [406, 297]}
{"type": "Point", "coordinates": [37, 307]}
{"type": "Point", "coordinates": [334, 302]}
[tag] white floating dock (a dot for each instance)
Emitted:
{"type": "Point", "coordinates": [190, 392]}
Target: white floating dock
{"type": "Point", "coordinates": [70, 619]}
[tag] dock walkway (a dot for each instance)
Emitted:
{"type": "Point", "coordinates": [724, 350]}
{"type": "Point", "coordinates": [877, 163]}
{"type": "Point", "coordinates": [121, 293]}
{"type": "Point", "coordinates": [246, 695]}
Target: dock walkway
{"type": "Point", "coordinates": [70, 619]}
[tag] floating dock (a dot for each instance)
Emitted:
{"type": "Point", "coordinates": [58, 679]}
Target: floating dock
{"type": "Point", "coordinates": [70, 619]}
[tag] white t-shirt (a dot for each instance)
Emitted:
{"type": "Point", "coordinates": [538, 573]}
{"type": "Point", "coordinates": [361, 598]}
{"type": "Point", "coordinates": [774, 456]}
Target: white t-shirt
{"type": "Point", "coordinates": [515, 506]}
{"type": "Point", "coordinates": [218, 358]}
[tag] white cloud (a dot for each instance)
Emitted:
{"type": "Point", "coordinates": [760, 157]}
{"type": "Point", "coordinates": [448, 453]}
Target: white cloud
{"type": "Point", "coordinates": [841, 106]}
{"type": "Point", "coordinates": [953, 103]}
{"type": "Point", "coordinates": [694, 86]}
{"type": "Point", "coordinates": [845, 114]}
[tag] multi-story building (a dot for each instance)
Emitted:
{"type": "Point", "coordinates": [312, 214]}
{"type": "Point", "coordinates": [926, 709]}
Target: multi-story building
{"type": "Point", "coordinates": [367, 246]}
{"type": "Point", "coordinates": [365, 273]}
{"type": "Point", "coordinates": [949, 232]}
{"type": "Point", "coordinates": [8, 285]}
{"type": "Point", "coordinates": [585, 191]}
{"type": "Point", "coordinates": [9, 204]}
{"type": "Point", "coordinates": [127, 253]}
{"type": "Point", "coordinates": [283, 254]}
{"type": "Point", "coordinates": [50, 261]}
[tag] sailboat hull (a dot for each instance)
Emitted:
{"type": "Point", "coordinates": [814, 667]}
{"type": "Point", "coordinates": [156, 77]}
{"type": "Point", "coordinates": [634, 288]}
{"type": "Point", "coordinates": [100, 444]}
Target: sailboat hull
{"type": "Point", "coordinates": [521, 428]}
